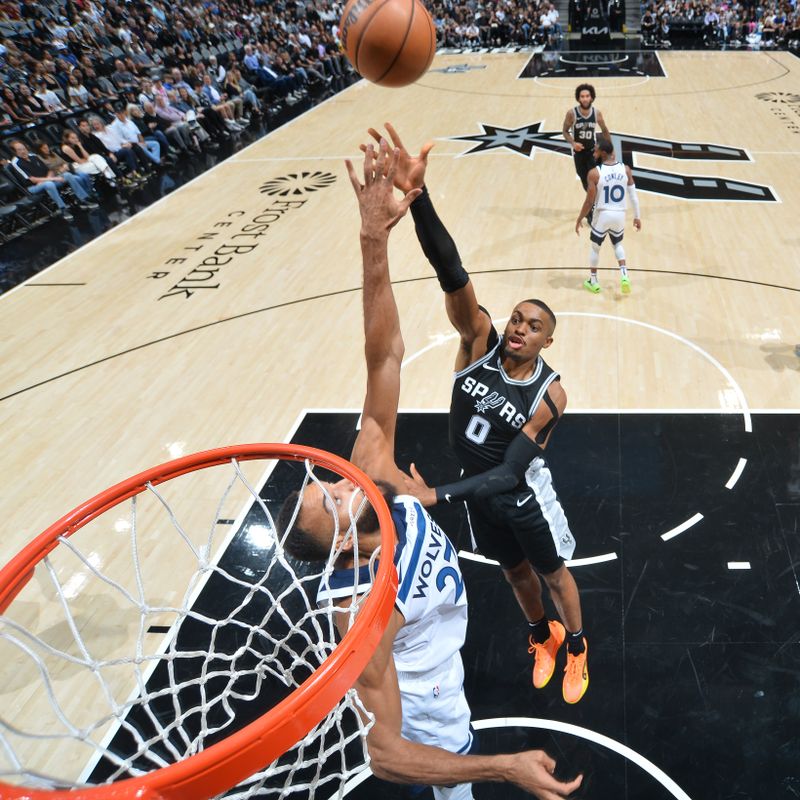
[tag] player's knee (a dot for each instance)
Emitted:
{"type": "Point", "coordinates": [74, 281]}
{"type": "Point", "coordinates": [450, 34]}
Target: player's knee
{"type": "Point", "coordinates": [619, 251]}
{"type": "Point", "coordinates": [557, 579]}
{"type": "Point", "coordinates": [520, 574]}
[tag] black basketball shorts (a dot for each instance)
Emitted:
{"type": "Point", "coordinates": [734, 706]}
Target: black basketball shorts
{"type": "Point", "coordinates": [525, 523]}
{"type": "Point", "coordinates": [585, 162]}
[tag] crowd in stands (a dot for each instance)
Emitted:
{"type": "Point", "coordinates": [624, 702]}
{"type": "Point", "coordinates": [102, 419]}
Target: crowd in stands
{"type": "Point", "coordinates": [495, 23]}
{"type": "Point", "coordinates": [99, 95]}
{"type": "Point", "coordinates": [734, 23]}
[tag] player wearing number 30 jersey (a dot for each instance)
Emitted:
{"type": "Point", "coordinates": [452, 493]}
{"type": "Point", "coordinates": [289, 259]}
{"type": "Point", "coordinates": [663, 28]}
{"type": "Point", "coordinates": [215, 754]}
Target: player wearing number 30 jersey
{"type": "Point", "coordinates": [580, 130]}
{"type": "Point", "coordinates": [610, 189]}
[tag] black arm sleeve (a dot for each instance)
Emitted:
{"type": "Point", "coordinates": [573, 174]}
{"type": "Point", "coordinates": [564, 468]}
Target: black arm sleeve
{"type": "Point", "coordinates": [437, 244]}
{"type": "Point", "coordinates": [518, 456]}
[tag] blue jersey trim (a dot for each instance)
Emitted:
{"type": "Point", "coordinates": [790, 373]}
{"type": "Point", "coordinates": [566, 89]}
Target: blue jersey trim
{"type": "Point", "coordinates": [408, 578]}
{"type": "Point", "coordinates": [345, 578]}
{"type": "Point", "coordinates": [399, 519]}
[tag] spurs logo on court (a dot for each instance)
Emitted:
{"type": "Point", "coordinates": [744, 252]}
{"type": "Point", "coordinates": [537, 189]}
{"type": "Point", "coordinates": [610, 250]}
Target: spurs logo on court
{"type": "Point", "coordinates": [785, 106]}
{"type": "Point", "coordinates": [523, 140]}
{"type": "Point", "coordinates": [297, 183]}
{"type": "Point", "coordinates": [779, 97]}
{"type": "Point", "coordinates": [492, 400]}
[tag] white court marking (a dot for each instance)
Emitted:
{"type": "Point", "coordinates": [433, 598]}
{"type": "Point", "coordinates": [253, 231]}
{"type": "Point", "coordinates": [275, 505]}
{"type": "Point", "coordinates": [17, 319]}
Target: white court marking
{"type": "Point", "coordinates": [684, 526]}
{"type": "Point", "coordinates": [575, 562]}
{"type": "Point", "coordinates": [738, 565]}
{"type": "Point", "coordinates": [737, 473]}
{"type": "Point", "coordinates": [562, 727]}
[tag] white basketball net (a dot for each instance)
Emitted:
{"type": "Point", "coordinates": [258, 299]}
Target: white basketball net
{"type": "Point", "coordinates": [114, 672]}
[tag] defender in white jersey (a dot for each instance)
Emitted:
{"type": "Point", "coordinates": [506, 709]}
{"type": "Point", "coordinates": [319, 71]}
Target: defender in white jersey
{"type": "Point", "coordinates": [414, 682]}
{"type": "Point", "coordinates": [610, 187]}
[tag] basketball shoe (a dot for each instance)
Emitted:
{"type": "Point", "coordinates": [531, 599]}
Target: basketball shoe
{"type": "Point", "coordinates": [576, 676]}
{"type": "Point", "coordinates": [625, 285]}
{"type": "Point", "coordinates": [544, 659]}
{"type": "Point", "coordinates": [594, 288]}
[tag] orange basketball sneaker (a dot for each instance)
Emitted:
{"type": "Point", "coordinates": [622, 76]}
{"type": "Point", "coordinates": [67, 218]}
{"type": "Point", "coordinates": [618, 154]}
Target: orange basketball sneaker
{"type": "Point", "coordinates": [576, 676]}
{"type": "Point", "coordinates": [544, 660]}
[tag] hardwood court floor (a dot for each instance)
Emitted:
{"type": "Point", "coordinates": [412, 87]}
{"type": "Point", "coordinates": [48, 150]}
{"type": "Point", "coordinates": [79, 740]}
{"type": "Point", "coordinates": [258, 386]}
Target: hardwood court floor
{"type": "Point", "coordinates": [222, 312]}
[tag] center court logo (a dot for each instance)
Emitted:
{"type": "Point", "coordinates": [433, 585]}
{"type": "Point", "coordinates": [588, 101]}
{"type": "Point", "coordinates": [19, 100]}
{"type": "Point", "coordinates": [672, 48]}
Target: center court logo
{"type": "Point", "coordinates": [528, 138]}
{"type": "Point", "coordinates": [237, 234]}
{"type": "Point", "coordinates": [779, 97]}
{"type": "Point", "coordinates": [297, 183]}
{"type": "Point", "coordinates": [457, 68]}
{"type": "Point", "coordinates": [785, 106]}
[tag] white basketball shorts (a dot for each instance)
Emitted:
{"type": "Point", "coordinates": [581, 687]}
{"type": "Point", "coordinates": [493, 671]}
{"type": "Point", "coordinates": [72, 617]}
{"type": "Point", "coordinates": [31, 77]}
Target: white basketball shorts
{"type": "Point", "coordinates": [436, 712]}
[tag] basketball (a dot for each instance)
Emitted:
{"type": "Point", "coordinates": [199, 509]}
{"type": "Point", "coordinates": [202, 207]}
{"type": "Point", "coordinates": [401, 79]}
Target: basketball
{"type": "Point", "coordinates": [389, 42]}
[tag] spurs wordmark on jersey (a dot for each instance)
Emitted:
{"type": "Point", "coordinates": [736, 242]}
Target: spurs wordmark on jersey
{"type": "Point", "coordinates": [488, 408]}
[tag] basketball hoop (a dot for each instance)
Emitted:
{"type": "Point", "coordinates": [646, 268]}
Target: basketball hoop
{"type": "Point", "coordinates": [222, 755]}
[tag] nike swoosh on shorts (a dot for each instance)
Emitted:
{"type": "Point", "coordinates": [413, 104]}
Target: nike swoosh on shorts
{"type": "Point", "coordinates": [522, 502]}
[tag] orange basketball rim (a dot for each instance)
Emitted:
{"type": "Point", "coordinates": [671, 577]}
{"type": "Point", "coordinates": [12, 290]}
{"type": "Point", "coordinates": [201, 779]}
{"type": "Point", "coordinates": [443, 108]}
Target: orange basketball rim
{"type": "Point", "coordinates": [243, 753]}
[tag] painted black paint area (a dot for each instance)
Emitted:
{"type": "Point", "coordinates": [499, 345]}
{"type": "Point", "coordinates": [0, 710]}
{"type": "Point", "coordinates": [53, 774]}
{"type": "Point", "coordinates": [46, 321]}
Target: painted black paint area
{"type": "Point", "coordinates": [581, 65]}
{"type": "Point", "coordinates": [694, 666]}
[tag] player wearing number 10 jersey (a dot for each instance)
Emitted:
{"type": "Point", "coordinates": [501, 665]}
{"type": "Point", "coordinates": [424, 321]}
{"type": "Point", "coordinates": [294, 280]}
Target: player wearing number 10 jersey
{"type": "Point", "coordinates": [610, 186]}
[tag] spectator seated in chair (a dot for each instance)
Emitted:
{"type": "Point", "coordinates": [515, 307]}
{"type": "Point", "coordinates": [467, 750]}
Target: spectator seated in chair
{"type": "Point", "coordinates": [38, 177]}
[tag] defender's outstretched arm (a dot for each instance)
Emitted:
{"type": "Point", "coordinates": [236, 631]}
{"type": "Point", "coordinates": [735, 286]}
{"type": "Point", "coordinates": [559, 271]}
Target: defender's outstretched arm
{"type": "Point", "coordinates": [373, 450]}
{"type": "Point", "coordinates": [472, 323]}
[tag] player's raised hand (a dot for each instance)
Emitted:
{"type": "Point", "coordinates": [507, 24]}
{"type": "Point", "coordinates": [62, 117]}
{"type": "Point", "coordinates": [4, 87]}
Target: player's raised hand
{"type": "Point", "coordinates": [533, 772]}
{"type": "Point", "coordinates": [380, 209]}
{"type": "Point", "coordinates": [416, 487]}
{"type": "Point", "coordinates": [410, 172]}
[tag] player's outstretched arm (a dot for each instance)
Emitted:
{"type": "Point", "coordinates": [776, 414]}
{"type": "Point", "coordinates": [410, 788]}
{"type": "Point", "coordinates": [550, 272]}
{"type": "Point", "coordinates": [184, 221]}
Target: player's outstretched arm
{"type": "Point", "coordinates": [380, 211]}
{"type": "Point", "coordinates": [528, 444]}
{"type": "Point", "coordinates": [591, 193]}
{"type": "Point", "coordinates": [396, 759]}
{"type": "Point", "coordinates": [634, 198]}
{"type": "Point", "coordinates": [462, 307]}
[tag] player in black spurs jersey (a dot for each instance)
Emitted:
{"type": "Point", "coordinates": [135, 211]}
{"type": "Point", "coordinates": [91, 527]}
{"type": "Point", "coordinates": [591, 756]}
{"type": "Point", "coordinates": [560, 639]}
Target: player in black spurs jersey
{"type": "Point", "coordinates": [580, 130]}
{"type": "Point", "coordinates": [506, 401]}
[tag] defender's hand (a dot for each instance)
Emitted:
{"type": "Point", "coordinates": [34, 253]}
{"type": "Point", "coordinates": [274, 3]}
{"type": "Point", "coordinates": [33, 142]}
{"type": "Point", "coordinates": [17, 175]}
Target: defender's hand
{"type": "Point", "coordinates": [533, 772]}
{"type": "Point", "coordinates": [637, 223]}
{"type": "Point", "coordinates": [416, 486]}
{"type": "Point", "coordinates": [380, 210]}
{"type": "Point", "coordinates": [577, 147]}
{"type": "Point", "coordinates": [410, 172]}
{"type": "Point", "coordinates": [578, 226]}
